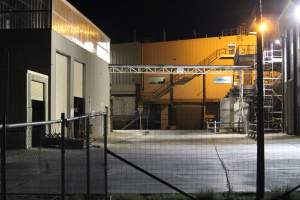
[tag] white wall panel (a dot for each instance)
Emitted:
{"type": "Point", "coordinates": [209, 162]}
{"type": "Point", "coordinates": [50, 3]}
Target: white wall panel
{"type": "Point", "coordinates": [78, 79]}
{"type": "Point", "coordinates": [61, 85]}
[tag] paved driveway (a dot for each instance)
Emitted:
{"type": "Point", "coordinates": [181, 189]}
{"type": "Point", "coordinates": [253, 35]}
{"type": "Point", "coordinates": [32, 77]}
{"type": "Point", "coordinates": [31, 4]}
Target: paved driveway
{"type": "Point", "coordinates": [191, 160]}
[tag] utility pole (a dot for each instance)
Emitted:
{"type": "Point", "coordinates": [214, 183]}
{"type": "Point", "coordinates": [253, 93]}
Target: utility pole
{"type": "Point", "coordinates": [134, 35]}
{"type": "Point", "coordinates": [164, 34]}
{"type": "Point", "coordinates": [195, 34]}
{"type": "Point", "coordinates": [260, 177]}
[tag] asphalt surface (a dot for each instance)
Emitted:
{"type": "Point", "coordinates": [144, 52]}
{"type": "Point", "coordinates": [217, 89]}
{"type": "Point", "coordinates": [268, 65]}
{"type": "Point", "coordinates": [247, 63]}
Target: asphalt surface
{"type": "Point", "coordinates": [189, 160]}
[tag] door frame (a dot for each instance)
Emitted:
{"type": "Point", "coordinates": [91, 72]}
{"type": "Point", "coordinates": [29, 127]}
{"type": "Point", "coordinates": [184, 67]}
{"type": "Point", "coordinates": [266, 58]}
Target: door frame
{"type": "Point", "coordinates": [42, 78]}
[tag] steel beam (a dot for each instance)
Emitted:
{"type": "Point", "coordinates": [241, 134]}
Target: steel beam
{"type": "Point", "coordinates": [173, 69]}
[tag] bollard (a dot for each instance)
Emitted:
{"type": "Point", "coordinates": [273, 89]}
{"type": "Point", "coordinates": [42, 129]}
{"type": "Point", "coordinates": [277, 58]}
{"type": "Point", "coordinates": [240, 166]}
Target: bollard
{"type": "Point", "coordinates": [105, 157]}
{"type": "Point", "coordinates": [3, 159]}
{"type": "Point", "coordinates": [62, 146]}
{"type": "Point", "coordinates": [88, 177]}
{"type": "Point", "coordinates": [215, 127]}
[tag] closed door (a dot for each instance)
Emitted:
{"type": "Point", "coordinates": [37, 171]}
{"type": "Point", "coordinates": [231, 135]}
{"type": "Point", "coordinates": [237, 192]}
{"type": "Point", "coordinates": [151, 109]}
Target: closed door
{"type": "Point", "coordinates": [38, 112]}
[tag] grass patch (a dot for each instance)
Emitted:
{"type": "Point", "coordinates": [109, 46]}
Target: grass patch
{"type": "Point", "coordinates": [275, 194]}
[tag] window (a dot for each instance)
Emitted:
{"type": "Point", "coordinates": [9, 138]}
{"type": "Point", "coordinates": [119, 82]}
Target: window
{"type": "Point", "coordinates": [156, 80]}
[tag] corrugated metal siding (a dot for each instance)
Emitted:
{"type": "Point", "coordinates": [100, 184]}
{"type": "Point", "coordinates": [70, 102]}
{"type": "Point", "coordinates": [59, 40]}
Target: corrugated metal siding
{"type": "Point", "coordinates": [127, 53]}
{"type": "Point", "coordinates": [192, 52]}
{"type": "Point", "coordinates": [123, 106]}
{"type": "Point", "coordinates": [189, 52]}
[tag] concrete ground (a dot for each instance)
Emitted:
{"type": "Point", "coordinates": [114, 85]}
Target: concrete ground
{"type": "Point", "coordinates": [37, 171]}
{"type": "Point", "coordinates": [191, 160]}
{"type": "Point", "coordinates": [196, 161]}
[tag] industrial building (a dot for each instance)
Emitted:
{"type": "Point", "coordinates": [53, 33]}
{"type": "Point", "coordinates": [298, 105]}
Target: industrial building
{"type": "Point", "coordinates": [53, 60]}
{"type": "Point", "coordinates": [289, 32]}
{"type": "Point", "coordinates": [178, 101]}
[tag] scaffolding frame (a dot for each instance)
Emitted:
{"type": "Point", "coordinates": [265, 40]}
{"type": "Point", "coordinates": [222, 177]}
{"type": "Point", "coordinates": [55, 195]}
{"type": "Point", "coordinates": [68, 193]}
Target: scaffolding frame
{"type": "Point", "coordinates": [272, 59]}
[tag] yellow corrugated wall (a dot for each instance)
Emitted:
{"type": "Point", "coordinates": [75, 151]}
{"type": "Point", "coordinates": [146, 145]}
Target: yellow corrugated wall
{"type": "Point", "coordinates": [192, 52]}
{"type": "Point", "coordinates": [189, 52]}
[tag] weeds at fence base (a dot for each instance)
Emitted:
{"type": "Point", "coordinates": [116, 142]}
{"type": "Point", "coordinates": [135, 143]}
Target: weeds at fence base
{"type": "Point", "coordinates": [209, 195]}
{"type": "Point", "coordinates": [274, 194]}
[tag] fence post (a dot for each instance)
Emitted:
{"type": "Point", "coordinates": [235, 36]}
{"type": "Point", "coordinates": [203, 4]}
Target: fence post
{"type": "Point", "coordinates": [62, 146]}
{"type": "Point", "coordinates": [88, 158]}
{"type": "Point", "coordinates": [105, 156]}
{"type": "Point", "coordinates": [260, 176]}
{"type": "Point", "coordinates": [3, 159]}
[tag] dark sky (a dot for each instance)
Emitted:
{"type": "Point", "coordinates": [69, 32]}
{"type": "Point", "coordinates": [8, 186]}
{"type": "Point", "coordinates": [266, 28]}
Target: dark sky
{"type": "Point", "coordinates": [118, 18]}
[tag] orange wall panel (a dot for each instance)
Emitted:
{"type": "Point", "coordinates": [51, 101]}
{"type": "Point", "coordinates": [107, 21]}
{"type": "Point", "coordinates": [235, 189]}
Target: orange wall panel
{"type": "Point", "coordinates": [189, 52]}
{"type": "Point", "coordinates": [192, 52]}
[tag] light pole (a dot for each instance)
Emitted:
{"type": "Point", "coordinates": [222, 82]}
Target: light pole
{"type": "Point", "coordinates": [260, 177]}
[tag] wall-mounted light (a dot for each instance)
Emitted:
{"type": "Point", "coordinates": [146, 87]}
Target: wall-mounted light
{"type": "Point", "coordinates": [277, 42]}
{"type": "Point", "coordinates": [297, 13]}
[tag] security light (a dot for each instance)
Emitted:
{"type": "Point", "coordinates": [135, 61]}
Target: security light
{"type": "Point", "coordinates": [263, 27]}
{"type": "Point", "coordinates": [297, 13]}
{"type": "Point", "coordinates": [277, 42]}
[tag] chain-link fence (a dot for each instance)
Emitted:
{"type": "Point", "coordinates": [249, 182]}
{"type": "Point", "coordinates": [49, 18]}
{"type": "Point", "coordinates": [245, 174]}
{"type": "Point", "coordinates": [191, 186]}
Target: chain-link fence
{"type": "Point", "coordinates": [282, 161]}
{"type": "Point", "coordinates": [59, 159]}
{"type": "Point", "coordinates": [192, 161]}
{"type": "Point", "coordinates": [139, 161]}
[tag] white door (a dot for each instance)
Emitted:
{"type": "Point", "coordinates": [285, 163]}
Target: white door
{"type": "Point", "coordinates": [37, 90]}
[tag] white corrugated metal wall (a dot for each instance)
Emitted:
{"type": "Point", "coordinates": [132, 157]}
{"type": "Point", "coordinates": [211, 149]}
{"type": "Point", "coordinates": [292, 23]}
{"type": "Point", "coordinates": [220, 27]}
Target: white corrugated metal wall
{"type": "Point", "coordinates": [123, 87]}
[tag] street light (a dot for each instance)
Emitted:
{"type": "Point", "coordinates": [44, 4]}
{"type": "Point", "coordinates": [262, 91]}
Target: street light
{"type": "Point", "coordinates": [263, 27]}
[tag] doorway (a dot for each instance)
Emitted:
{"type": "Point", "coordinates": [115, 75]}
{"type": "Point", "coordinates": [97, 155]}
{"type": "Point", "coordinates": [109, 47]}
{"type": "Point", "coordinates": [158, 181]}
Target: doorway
{"type": "Point", "coordinates": [37, 107]}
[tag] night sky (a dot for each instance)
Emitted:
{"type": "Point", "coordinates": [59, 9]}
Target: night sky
{"type": "Point", "coordinates": [180, 18]}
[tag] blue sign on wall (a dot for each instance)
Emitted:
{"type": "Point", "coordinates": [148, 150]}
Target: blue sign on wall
{"type": "Point", "coordinates": [223, 79]}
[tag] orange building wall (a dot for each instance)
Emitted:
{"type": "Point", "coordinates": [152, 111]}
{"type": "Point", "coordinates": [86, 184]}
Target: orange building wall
{"type": "Point", "coordinates": [189, 52]}
{"type": "Point", "coordinates": [192, 52]}
{"type": "Point", "coordinates": [193, 90]}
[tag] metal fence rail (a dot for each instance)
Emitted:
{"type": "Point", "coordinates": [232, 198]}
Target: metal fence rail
{"type": "Point", "coordinates": [66, 158]}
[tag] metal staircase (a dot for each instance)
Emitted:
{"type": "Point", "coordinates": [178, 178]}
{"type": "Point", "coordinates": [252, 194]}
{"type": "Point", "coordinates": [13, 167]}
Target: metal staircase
{"type": "Point", "coordinates": [273, 110]}
{"type": "Point", "coordinates": [183, 79]}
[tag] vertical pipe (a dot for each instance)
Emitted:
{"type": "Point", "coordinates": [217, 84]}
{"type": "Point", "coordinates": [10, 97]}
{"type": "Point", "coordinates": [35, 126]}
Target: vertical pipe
{"type": "Point", "coordinates": [105, 157]}
{"type": "Point", "coordinates": [62, 145]}
{"type": "Point", "coordinates": [260, 177]}
{"type": "Point", "coordinates": [295, 73]}
{"type": "Point", "coordinates": [171, 114]}
{"type": "Point", "coordinates": [88, 178]}
{"type": "Point", "coordinates": [203, 99]}
{"type": "Point", "coordinates": [283, 72]}
{"type": "Point", "coordinates": [3, 159]}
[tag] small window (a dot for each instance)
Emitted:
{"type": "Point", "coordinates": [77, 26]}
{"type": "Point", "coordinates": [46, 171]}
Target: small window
{"type": "Point", "coordinates": [156, 80]}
